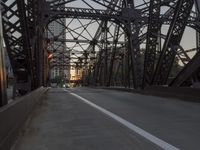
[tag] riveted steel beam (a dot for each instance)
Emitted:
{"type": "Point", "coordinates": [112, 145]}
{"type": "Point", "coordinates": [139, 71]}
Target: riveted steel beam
{"type": "Point", "coordinates": [152, 41]}
{"type": "Point", "coordinates": [174, 36]}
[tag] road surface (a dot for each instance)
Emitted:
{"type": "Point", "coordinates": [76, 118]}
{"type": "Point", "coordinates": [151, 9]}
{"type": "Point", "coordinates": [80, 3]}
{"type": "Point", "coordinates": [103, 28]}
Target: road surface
{"type": "Point", "coordinates": [98, 119]}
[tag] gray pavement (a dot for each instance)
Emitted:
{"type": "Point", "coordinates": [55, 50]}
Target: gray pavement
{"type": "Point", "coordinates": [174, 121]}
{"type": "Point", "coordinates": [63, 122]}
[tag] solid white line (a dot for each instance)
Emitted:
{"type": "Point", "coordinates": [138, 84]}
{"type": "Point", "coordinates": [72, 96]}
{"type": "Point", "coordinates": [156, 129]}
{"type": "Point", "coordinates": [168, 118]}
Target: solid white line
{"type": "Point", "coordinates": [129, 125]}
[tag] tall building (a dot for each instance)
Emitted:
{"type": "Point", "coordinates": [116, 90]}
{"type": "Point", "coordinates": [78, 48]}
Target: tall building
{"type": "Point", "coordinates": [59, 62]}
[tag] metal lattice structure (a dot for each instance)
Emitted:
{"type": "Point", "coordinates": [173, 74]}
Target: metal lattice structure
{"type": "Point", "coordinates": [3, 96]}
{"type": "Point", "coordinates": [128, 43]}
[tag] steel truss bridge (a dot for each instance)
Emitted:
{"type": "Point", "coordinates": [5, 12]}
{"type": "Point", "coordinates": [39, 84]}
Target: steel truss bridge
{"type": "Point", "coordinates": [130, 43]}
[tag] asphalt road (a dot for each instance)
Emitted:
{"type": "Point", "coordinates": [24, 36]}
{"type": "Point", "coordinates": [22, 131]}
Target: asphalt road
{"type": "Point", "coordinates": [65, 121]}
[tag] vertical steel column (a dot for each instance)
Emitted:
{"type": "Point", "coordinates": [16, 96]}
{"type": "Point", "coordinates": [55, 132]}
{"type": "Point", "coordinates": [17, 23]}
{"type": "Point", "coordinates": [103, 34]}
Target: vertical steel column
{"type": "Point", "coordinates": [89, 75]}
{"type": "Point", "coordinates": [152, 38]}
{"type": "Point", "coordinates": [93, 68]}
{"type": "Point", "coordinates": [134, 51]}
{"type": "Point", "coordinates": [117, 73]}
{"type": "Point", "coordinates": [101, 75]}
{"type": "Point", "coordinates": [23, 18]}
{"type": "Point", "coordinates": [127, 64]}
{"type": "Point", "coordinates": [39, 57]}
{"type": "Point", "coordinates": [105, 48]}
{"type": "Point", "coordinates": [40, 51]}
{"type": "Point", "coordinates": [122, 69]}
{"type": "Point", "coordinates": [133, 29]}
{"type": "Point", "coordinates": [94, 79]}
{"type": "Point", "coordinates": [98, 67]}
{"type": "Point", "coordinates": [113, 51]}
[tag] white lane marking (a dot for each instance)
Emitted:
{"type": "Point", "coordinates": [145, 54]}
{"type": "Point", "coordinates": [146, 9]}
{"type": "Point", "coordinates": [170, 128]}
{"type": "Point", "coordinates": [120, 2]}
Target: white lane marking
{"type": "Point", "coordinates": [129, 125]}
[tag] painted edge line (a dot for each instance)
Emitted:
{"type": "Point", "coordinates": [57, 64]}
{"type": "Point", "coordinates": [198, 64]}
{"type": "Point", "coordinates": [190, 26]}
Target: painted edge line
{"type": "Point", "coordinates": [136, 129]}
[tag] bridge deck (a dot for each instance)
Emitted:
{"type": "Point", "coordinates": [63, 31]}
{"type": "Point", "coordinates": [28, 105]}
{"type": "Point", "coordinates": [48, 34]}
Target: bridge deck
{"type": "Point", "coordinates": [64, 121]}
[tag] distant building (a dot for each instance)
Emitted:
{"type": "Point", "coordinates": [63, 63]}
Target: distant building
{"type": "Point", "coordinates": [59, 50]}
{"type": "Point", "coordinates": [76, 74]}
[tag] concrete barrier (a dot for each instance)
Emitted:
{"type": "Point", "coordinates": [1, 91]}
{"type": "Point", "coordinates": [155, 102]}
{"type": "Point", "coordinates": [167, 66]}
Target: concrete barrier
{"type": "Point", "coordinates": [182, 93]}
{"type": "Point", "coordinates": [13, 116]}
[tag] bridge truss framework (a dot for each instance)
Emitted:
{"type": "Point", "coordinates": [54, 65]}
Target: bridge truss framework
{"type": "Point", "coordinates": [114, 42]}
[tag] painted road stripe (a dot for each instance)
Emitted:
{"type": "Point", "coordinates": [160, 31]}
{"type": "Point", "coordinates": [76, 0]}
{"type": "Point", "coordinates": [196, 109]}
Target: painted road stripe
{"type": "Point", "coordinates": [129, 125]}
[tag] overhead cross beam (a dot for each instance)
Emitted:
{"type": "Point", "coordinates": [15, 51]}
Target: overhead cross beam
{"type": "Point", "coordinates": [83, 13]}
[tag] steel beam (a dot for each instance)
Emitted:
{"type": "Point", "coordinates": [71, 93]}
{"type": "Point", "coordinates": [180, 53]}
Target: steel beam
{"type": "Point", "coordinates": [113, 51]}
{"type": "Point", "coordinates": [135, 56]}
{"type": "Point", "coordinates": [27, 47]}
{"type": "Point", "coordinates": [152, 39]}
{"type": "Point", "coordinates": [83, 13]}
{"type": "Point", "coordinates": [175, 33]}
{"type": "Point", "coordinates": [192, 68]}
{"type": "Point", "coordinates": [16, 43]}
{"type": "Point", "coordinates": [105, 49]}
{"type": "Point", "coordinates": [81, 41]}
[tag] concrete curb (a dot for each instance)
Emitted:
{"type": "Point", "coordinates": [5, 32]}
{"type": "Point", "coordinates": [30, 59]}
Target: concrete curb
{"type": "Point", "coordinates": [186, 94]}
{"type": "Point", "coordinates": [13, 116]}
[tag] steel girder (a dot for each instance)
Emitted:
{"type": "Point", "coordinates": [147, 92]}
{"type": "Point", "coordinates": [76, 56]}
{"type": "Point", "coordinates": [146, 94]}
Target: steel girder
{"type": "Point", "coordinates": [84, 13]}
{"type": "Point", "coordinates": [105, 52]}
{"type": "Point", "coordinates": [23, 35]}
{"type": "Point", "coordinates": [16, 35]}
{"type": "Point", "coordinates": [121, 16]}
{"type": "Point", "coordinates": [113, 51]}
{"type": "Point", "coordinates": [151, 46]}
{"type": "Point", "coordinates": [118, 16]}
{"type": "Point", "coordinates": [189, 73]}
{"type": "Point", "coordinates": [126, 16]}
{"type": "Point", "coordinates": [175, 33]}
{"type": "Point", "coordinates": [135, 56]}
